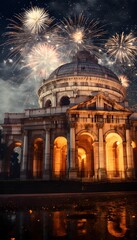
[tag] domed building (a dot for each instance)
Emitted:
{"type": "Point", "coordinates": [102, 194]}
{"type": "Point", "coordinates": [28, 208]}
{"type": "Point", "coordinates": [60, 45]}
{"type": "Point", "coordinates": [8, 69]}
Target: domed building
{"type": "Point", "coordinates": [84, 127]}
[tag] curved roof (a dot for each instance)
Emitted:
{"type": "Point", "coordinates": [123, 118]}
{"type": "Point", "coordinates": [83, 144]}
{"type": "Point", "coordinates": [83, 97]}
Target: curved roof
{"type": "Point", "coordinates": [83, 64]}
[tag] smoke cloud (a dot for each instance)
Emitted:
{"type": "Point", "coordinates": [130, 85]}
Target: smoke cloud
{"type": "Point", "coordinates": [14, 97]}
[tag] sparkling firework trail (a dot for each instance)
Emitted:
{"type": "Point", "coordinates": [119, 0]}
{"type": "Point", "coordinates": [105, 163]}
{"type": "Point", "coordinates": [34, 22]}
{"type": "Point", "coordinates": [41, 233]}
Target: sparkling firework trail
{"type": "Point", "coordinates": [19, 38]}
{"type": "Point", "coordinates": [42, 60]}
{"type": "Point", "coordinates": [122, 48]}
{"type": "Point", "coordinates": [80, 32]}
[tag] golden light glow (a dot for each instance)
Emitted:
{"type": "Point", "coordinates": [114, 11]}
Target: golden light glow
{"type": "Point", "coordinates": [133, 144]}
{"type": "Point", "coordinates": [59, 225]}
{"type": "Point", "coordinates": [18, 144]}
{"type": "Point", "coordinates": [30, 211]}
{"type": "Point", "coordinates": [59, 156]}
{"type": "Point", "coordinates": [37, 157]}
{"type": "Point", "coordinates": [85, 155]}
{"type": "Point", "coordinates": [81, 160]}
{"type": "Point", "coordinates": [114, 155]}
{"type": "Point", "coordinates": [117, 227]}
{"type": "Point", "coordinates": [38, 140]}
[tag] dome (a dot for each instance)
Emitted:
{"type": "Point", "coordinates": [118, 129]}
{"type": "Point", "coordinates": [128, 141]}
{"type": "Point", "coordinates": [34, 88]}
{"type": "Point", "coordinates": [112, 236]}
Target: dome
{"type": "Point", "coordinates": [77, 81]}
{"type": "Point", "coordinates": [83, 64]}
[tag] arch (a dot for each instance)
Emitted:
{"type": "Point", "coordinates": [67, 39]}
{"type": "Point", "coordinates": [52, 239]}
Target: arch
{"type": "Point", "coordinates": [116, 132]}
{"type": "Point", "coordinates": [64, 101]}
{"type": "Point", "coordinates": [48, 104]}
{"type": "Point", "coordinates": [91, 134]}
{"type": "Point", "coordinates": [18, 150]}
{"type": "Point", "coordinates": [85, 156]}
{"type": "Point", "coordinates": [114, 156]}
{"type": "Point", "coordinates": [60, 156]}
{"type": "Point", "coordinates": [13, 159]}
{"type": "Point", "coordinates": [37, 157]}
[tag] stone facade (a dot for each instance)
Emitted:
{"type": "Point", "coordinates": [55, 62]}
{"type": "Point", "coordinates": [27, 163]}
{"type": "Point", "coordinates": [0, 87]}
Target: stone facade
{"type": "Point", "coordinates": [84, 128]}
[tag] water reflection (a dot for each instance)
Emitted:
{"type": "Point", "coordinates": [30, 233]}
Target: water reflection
{"type": "Point", "coordinates": [88, 217]}
{"type": "Point", "coordinates": [116, 224]}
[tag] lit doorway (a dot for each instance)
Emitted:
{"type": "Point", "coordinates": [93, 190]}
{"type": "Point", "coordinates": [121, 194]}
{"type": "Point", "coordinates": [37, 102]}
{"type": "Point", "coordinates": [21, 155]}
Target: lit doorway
{"type": "Point", "coordinates": [114, 156]}
{"type": "Point", "coordinates": [37, 158]}
{"type": "Point", "coordinates": [60, 157]}
{"type": "Point", "coordinates": [85, 156]}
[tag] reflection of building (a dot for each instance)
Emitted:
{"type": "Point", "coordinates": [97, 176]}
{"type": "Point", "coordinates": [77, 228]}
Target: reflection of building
{"type": "Point", "coordinates": [83, 128]}
{"type": "Point", "coordinates": [117, 225]}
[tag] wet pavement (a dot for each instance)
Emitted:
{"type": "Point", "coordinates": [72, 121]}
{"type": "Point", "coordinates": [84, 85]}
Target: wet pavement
{"type": "Point", "coordinates": [88, 216]}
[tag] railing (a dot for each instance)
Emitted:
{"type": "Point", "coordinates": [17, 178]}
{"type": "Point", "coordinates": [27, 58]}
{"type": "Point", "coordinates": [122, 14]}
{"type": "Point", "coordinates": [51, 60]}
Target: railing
{"type": "Point", "coordinates": [89, 176]}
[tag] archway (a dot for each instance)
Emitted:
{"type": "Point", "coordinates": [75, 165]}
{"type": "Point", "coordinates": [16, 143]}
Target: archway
{"type": "Point", "coordinates": [37, 158]}
{"type": "Point", "coordinates": [48, 103]}
{"type": "Point", "coordinates": [12, 164]}
{"type": "Point", "coordinates": [82, 161]}
{"type": "Point", "coordinates": [85, 156]}
{"type": "Point", "coordinates": [64, 101]}
{"type": "Point", "coordinates": [60, 156]}
{"type": "Point", "coordinates": [114, 156]}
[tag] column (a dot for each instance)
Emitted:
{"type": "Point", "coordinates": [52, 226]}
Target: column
{"type": "Point", "coordinates": [130, 165]}
{"type": "Point", "coordinates": [101, 164]}
{"type": "Point", "coordinates": [96, 159]}
{"type": "Point", "coordinates": [54, 99]}
{"type": "Point", "coordinates": [72, 171]}
{"type": "Point", "coordinates": [68, 154]}
{"type": "Point", "coordinates": [124, 175]}
{"type": "Point", "coordinates": [46, 163]}
{"type": "Point", "coordinates": [23, 170]}
{"type": "Point", "coordinates": [76, 153]}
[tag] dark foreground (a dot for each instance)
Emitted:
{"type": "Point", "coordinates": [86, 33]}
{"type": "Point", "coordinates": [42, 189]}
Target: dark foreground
{"type": "Point", "coordinates": [69, 216]}
{"type": "Point", "coordinates": [43, 187]}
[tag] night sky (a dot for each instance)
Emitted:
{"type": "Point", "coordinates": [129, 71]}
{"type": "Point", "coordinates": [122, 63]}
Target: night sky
{"type": "Point", "coordinates": [16, 91]}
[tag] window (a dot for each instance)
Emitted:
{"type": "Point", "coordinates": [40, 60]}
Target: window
{"type": "Point", "coordinates": [64, 101]}
{"type": "Point", "coordinates": [48, 104]}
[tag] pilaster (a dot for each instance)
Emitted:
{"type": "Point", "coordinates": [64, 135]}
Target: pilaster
{"type": "Point", "coordinates": [46, 162]}
{"type": "Point", "coordinates": [72, 170]}
{"type": "Point", "coordinates": [130, 164]}
{"type": "Point", "coordinates": [101, 164]}
{"type": "Point", "coordinates": [23, 171]}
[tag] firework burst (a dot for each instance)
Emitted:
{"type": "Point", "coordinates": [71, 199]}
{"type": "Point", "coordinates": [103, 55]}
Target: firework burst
{"type": "Point", "coordinates": [36, 19]}
{"type": "Point", "coordinates": [80, 32]}
{"type": "Point", "coordinates": [28, 29]}
{"type": "Point", "coordinates": [122, 48]}
{"type": "Point", "coordinates": [42, 60]}
{"type": "Point", "coordinates": [124, 81]}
